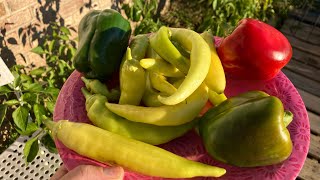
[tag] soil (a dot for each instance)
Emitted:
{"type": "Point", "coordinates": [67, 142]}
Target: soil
{"type": "Point", "coordinates": [8, 133]}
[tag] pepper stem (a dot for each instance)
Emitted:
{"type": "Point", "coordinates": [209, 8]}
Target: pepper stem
{"type": "Point", "coordinates": [85, 92]}
{"type": "Point", "coordinates": [216, 98]}
{"type": "Point", "coordinates": [49, 123]}
{"type": "Point", "coordinates": [86, 81]}
{"type": "Point", "coordinates": [287, 117]}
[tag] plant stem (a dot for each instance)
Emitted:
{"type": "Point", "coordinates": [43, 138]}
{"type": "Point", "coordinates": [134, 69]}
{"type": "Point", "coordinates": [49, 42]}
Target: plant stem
{"type": "Point", "coordinates": [216, 98]}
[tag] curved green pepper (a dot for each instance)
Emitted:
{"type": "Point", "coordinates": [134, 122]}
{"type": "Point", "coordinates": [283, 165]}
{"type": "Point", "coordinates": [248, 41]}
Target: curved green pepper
{"type": "Point", "coordinates": [247, 131]}
{"type": "Point", "coordinates": [166, 115]}
{"type": "Point", "coordinates": [200, 59]}
{"type": "Point", "coordinates": [160, 42]}
{"type": "Point", "coordinates": [103, 39]}
{"type": "Point", "coordinates": [101, 117]}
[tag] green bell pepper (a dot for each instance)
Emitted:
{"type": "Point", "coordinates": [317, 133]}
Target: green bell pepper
{"type": "Point", "coordinates": [247, 130]}
{"type": "Point", "coordinates": [103, 39]}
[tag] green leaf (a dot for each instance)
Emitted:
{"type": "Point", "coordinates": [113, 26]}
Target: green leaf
{"type": "Point", "coordinates": [138, 4]}
{"type": "Point", "coordinates": [31, 149]}
{"type": "Point", "coordinates": [39, 110]}
{"type": "Point", "coordinates": [34, 87]}
{"type": "Point", "coordinates": [64, 37]}
{"type": "Point", "coordinates": [65, 30]}
{"type": "Point", "coordinates": [50, 106]}
{"type": "Point", "coordinates": [30, 129]}
{"type": "Point", "coordinates": [3, 111]}
{"type": "Point", "coordinates": [4, 90]}
{"type": "Point", "coordinates": [51, 45]}
{"type": "Point", "coordinates": [61, 65]}
{"type": "Point", "coordinates": [25, 78]}
{"type": "Point", "coordinates": [73, 51]}
{"type": "Point", "coordinates": [127, 10]}
{"type": "Point", "coordinates": [38, 50]}
{"type": "Point", "coordinates": [62, 49]}
{"type": "Point", "coordinates": [39, 71]}
{"type": "Point", "coordinates": [16, 67]}
{"type": "Point", "coordinates": [214, 4]}
{"type": "Point", "coordinates": [12, 102]}
{"type": "Point", "coordinates": [29, 97]}
{"type": "Point", "coordinates": [17, 80]}
{"type": "Point", "coordinates": [20, 117]}
{"type": "Point", "coordinates": [54, 92]}
{"type": "Point", "coordinates": [48, 142]}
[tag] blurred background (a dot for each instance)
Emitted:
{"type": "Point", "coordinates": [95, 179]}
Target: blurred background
{"type": "Point", "coordinates": [38, 39]}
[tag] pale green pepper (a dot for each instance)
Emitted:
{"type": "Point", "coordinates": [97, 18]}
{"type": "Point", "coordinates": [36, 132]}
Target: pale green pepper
{"type": "Point", "coordinates": [160, 83]}
{"type": "Point", "coordinates": [132, 80]}
{"type": "Point", "coordinates": [161, 66]}
{"type": "Point", "coordinates": [107, 147]}
{"type": "Point", "coordinates": [166, 115]}
{"type": "Point", "coordinates": [200, 59]}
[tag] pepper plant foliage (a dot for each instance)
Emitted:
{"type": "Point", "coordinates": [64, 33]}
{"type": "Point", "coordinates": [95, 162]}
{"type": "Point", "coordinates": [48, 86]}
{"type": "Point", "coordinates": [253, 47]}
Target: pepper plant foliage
{"type": "Point", "coordinates": [144, 14]}
{"type": "Point", "coordinates": [221, 16]}
{"type": "Point", "coordinates": [32, 95]}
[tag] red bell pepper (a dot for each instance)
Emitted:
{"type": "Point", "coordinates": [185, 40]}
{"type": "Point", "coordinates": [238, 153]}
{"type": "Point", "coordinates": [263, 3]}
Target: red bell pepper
{"type": "Point", "coordinates": [254, 51]}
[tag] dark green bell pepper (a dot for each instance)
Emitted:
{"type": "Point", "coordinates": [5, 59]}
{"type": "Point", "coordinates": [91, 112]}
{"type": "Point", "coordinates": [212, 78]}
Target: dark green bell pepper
{"type": "Point", "coordinates": [247, 130]}
{"type": "Point", "coordinates": [103, 40]}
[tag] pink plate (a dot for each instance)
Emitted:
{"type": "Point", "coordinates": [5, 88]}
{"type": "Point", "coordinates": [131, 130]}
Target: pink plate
{"type": "Point", "coordinates": [71, 105]}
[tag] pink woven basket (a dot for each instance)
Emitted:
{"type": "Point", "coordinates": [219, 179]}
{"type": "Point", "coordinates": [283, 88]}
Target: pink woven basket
{"type": "Point", "coordinates": [71, 105]}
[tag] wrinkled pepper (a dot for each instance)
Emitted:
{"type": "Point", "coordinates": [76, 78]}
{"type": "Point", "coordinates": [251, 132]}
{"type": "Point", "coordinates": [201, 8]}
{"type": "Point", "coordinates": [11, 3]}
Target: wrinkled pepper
{"type": "Point", "coordinates": [166, 115]}
{"type": "Point", "coordinates": [200, 59]}
{"type": "Point", "coordinates": [132, 80]}
{"type": "Point", "coordinates": [101, 117]}
{"type": "Point", "coordinates": [247, 130]}
{"type": "Point", "coordinates": [103, 39]}
{"type": "Point", "coordinates": [107, 147]}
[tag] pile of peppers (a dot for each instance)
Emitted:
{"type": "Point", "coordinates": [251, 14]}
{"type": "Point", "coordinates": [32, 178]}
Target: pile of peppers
{"type": "Point", "coordinates": [165, 80]}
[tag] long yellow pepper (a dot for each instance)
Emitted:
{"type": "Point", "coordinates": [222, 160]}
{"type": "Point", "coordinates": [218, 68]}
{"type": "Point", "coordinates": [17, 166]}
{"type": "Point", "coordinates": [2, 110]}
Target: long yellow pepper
{"type": "Point", "coordinates": [107, 147]}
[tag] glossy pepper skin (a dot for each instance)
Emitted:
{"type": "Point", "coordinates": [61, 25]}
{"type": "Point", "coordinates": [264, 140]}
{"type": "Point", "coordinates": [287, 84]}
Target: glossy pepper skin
{"type": "Point", "coordinates": [103, 39]}
{"type": "Point", "coordinates": [254, 50]}
{"type": "Point", "coordinates": [101, 117]}
{"type": "Point", "coordinates": [165, 115]}
{"type": "Point", "coordinates": [200, 59]}
{"type": "Point", "coordinates": [247, 131]}
{"type": "Point", "coordinates": [100, 88]}
{"type": "Point", "coordinates": [101, 145]}
{"type": "Point", "coordinates": [132, 80]}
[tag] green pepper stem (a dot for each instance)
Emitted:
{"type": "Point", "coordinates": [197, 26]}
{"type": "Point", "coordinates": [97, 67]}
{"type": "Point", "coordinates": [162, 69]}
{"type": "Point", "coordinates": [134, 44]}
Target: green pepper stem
{"type": "Point", "coordinates": [287, 117]}
{"type": "Point", "coordinates": [49, 123]}
{"type": "Point", "coordinates": [216, 98]}
{"type": "Point", "coordinates": [86, 81]}
{"type": "Point", "coordinates": [85, 92]}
